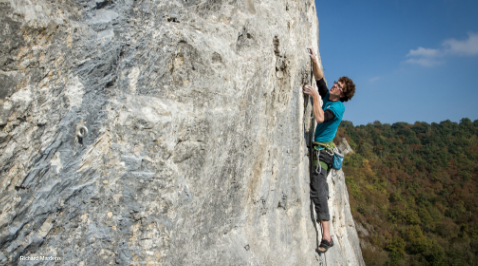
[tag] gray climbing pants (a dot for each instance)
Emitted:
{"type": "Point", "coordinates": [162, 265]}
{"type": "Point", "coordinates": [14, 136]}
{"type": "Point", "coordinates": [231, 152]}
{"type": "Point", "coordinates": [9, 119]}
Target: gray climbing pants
{"type": "Point", "coordinates": [319, 189]}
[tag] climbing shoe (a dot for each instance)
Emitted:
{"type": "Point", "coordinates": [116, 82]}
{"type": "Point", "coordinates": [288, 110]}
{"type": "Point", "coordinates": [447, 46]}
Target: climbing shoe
{"type": "Point", "coordinates": [325, 245]}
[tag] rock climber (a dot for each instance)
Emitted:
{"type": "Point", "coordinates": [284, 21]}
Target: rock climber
{"type": "Point", "coordinates": [328, 117]}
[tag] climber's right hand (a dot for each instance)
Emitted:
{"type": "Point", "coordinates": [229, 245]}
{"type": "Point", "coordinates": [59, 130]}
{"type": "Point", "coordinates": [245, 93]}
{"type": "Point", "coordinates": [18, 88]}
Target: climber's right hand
{"type": "Point", "coordinates": [312, 54]}
{"type": "Point", "coordinates": [310, 90]}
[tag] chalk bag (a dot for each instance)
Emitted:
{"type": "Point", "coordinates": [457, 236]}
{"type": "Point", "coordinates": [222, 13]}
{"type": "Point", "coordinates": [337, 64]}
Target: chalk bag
{"type": "Point", "coordinates": [338, 159]}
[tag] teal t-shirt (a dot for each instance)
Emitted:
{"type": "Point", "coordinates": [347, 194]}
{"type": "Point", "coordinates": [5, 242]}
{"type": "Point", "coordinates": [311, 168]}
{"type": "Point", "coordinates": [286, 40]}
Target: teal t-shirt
{"type": "Point", "coordinates": [326, 131]}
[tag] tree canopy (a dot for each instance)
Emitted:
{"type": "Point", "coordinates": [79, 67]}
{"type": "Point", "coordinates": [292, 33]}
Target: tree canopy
{"type": "Point", "coordinates": [414, 189]}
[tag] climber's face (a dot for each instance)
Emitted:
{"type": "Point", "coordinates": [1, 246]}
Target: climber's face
{"type": "Point", "coordinates": [337, 89]}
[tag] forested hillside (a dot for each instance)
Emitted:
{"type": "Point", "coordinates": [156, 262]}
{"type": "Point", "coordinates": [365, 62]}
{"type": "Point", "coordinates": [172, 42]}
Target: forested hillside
{"type": "Point", "coordinates": [414, 189]}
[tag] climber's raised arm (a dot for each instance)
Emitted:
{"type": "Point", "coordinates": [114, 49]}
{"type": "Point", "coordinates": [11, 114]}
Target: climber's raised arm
{"type": "Point", "coordinates": [318, 74]}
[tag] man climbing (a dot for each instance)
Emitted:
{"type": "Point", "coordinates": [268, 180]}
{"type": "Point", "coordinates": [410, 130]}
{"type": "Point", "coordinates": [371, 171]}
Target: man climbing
{"type": "Point", "coordinates": [328, 117]}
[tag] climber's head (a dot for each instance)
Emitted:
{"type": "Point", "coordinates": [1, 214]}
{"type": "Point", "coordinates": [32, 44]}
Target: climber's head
{"type": "Point", "coordinates": [344, 89]}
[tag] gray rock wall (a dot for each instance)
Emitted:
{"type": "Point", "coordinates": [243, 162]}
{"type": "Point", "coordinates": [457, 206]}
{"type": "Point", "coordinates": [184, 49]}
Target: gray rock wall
{"type": "Point", "coordinates": [196, 152]}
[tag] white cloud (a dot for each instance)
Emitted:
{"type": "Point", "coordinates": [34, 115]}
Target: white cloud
{"type": "Point", "coordinates": [465, 47]}
{"type": "Point", "coordinates": [373, 79]}
{"type": "Point", "coordinates": [424, 52]}
{"type": "Point", "coordinates": [450, 47]}
{"type": "Point", "coordinates": [424, 62]}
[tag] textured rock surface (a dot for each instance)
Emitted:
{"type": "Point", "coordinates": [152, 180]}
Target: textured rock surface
{"type": "Point", "coordinates": [196, 152]}
{"type": "Point", "coordinates": [344, 146]}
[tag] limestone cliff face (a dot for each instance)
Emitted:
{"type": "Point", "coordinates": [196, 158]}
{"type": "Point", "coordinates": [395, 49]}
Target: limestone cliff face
{"type": "Point", "coordinates": [196, 152]}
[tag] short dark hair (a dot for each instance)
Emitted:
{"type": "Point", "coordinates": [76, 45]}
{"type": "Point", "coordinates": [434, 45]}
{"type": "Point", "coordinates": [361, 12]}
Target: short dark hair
{"type": "Point", "coordinates": [349, 89]}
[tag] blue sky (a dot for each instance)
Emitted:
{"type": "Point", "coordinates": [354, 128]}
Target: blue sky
{"type": "Point", "coordinates": [410, 60]}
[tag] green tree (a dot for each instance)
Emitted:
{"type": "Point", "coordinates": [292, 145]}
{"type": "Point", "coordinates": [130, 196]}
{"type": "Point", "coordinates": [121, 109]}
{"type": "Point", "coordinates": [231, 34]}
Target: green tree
{"type": "Point", "coordinates": [416, 187]}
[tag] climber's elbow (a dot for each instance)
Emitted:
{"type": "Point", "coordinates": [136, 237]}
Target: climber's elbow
{"type": "Point", "coordinates": [319, 120]}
